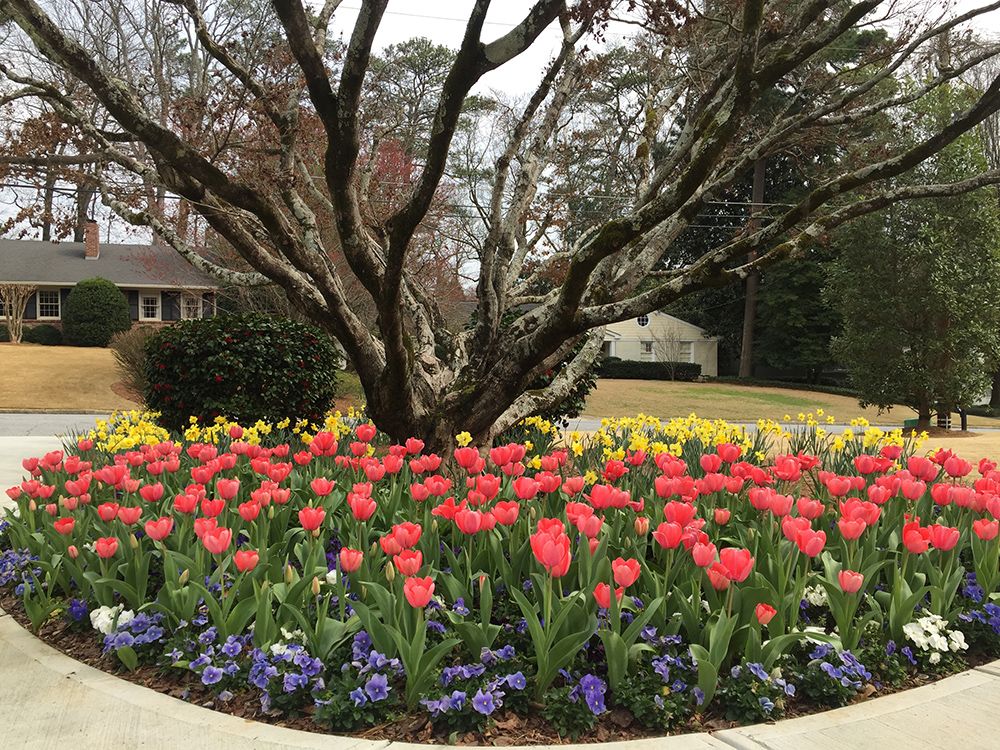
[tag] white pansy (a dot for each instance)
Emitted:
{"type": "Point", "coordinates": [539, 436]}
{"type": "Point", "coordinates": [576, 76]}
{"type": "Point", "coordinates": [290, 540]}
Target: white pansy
{"type": "Point", "coordinates": [931, 633]}
{"type": "Point", "coordinates": [103, 618]}
{"type": "Point", "coordinates": [816, 596]}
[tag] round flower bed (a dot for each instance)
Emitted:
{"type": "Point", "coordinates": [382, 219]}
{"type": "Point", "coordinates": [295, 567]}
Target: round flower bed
{"type": "Point", "coordinates": [651, 577]}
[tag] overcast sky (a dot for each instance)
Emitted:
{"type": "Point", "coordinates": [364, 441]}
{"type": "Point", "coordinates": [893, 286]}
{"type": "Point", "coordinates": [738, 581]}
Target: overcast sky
{"type": "Point", "coordinates": [443, 21]}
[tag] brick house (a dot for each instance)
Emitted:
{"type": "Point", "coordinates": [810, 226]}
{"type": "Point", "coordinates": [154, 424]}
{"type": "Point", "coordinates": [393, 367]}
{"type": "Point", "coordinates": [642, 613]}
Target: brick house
{"type": "Point", "coordinates": [160, 286]}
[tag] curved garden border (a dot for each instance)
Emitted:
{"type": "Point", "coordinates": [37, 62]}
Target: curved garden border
{"type": "Point", "coordinates": [50, 698]}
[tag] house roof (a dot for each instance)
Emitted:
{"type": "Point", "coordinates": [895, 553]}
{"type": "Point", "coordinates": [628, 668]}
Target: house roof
{"type": "Point", "coordinates": [64, 264]}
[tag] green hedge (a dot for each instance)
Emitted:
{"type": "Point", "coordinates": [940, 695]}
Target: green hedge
{"type": "Point", "coordinates": [626, 369]}
{"type": "Point", "coordinates": [43, 334]}
{"type": "Point", "coordinates": [95, 310]}
{"type": "Point", "coordinates": [244, 367]}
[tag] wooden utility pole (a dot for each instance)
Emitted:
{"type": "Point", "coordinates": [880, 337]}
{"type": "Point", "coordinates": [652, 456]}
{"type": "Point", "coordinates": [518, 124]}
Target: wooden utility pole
{"type": "Point", "coordinates": [753, 280]}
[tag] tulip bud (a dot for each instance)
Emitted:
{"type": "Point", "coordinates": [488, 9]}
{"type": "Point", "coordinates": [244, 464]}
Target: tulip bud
{"type": "Point", "coordinates": [72, 551]}
{"type": "Point", "coordinates": [533, 512]}
{"type": "Point", "coordinates": [265, 585]}
{"type": "Point", "coordinates": [133, 542]}
{"type": "Point", "coordinates": [374, 547]}
{"type": "Point", "coordinates": [434, 525]}
{"type": "Point", "coordinates": [32, 505]}
{"type": "Point", "coordinates": [315, 533]}
{"type": "Point", "coordinates": [390, 573]}
{"type": "Point", "coordinates": [185, 576]}
{"type": "Point", "coordinates": [270, 512]}
{"type": "Point", "coordinates": [289, 575]}
{"type": "Point", "coordinates": [315, 586]}
{"type": "Point", "coordinates": [641, 525]}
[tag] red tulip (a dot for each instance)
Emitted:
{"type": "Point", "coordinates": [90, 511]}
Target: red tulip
{"type": "Point", "coordinates": [810, 543]}
{"type": "Point", "coordinates": [350, 559]}
{"type": "Point", "coordinates": [728, 452]}
{"type": "Point", "coordinates": [703, 554]}
{"type": "Point", "coordinates": [129, 516]}
{"type": "Point", "coordinates": [414, 446]}
{"type": "Point", "coordinates": [107, 511]}
{"type": "Point", "coordinates": [986, 529]}
{"type": "Point", "coordinates": [626, 572]}
{"type": "Point", "coordinates": [641, 525]}
{"type": "Point", "coordinates": [106, 546]}
{"type": "Point", "coordinates": [217, 540]}
{"type": "Point", "coordinates": [249, 510]}
{"type": "Point", "coordinates": [159, 529]}
{"type": "Point", "coordinates": [506, 512]}
{"type": "Point", "coordinates": [151, 493]}
{"type": "Point", "coordinates": [323, 444]}
{"type": "Point", "coordinates": [246, 560]}
{"type": "Point", "coordinates": [64, 526]}
{"type": "Point", "coordinates": [916, 538]}
{"type": "Point", "coordinates": [552, 552]}
{"type": "Point", "coordinates": [765, 613]}
{"type": "Point", "coordinates": [408, 562]}
{"type": "Point", "coordinates": [212, 508]}
{"type": "Point", "coordinates": [850, 581]}
{"type": "Point", "coordinates": [722, 516]}
{"type": "Point", "coordinates": [602, 595]}
{"type": "Point", "coordinates": [72, 551]}
{"type": "Point", "coordinates": [185, 503]}
{"type": "Point", "coordinates": [738, 562]}
{"type": "Point", "coordinates": [525, 488]}
{"type": "Point", "coordinates": [468, 521]}
{"type": "Point", "coordinates": [322, 486]}
{"type": "Point", "coordinates": [851, 529]}
{"type": "Point", "coordinates": [407, 534]}
{"type": "Point", "coordinates": [227, 489]}
{"type": "Point", "coordinates": [311, 518]}
{"type": "Point", "coordinates": [668, 535]}
{"type": "Point", "coordinates": [362, 508]}
{"type": "Point", "coordinates": [718, 576]}
{"type": "Point", "coordinates": [418, 591]}
{"type": "Point", "coordinates": [943, 538]}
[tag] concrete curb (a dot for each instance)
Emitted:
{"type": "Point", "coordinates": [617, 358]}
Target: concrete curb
{"type": "Point", "coordinates": [958, 711]}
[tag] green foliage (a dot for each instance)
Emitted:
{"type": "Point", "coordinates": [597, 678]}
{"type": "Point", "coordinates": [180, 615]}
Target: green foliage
{"type": "Point", "coordinates": [567, 717]}
{"type": "Point", "coordinates": [791, 308]}
{"type": "Point", "coordinates": [95, 310]}
{"type": "Point", "coordinates": [44, 334]}
{"type": "Point", "coordinates": [246, 368]}
{"type": "Point", "coordinates": [612, 367]}
{"type": "Point", "coordinates": [918, 285]}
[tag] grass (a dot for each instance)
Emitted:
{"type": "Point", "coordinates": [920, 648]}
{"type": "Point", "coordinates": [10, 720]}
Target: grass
{"type": "Point", "coordinates": [59, 378]}
{"type": "Point", "coordinates": [735, 403]}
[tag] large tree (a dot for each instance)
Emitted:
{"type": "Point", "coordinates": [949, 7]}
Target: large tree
{"type": "Point", "coordinates": [290, 199]}
{"type": "Point", "coordinates": [918, 284]}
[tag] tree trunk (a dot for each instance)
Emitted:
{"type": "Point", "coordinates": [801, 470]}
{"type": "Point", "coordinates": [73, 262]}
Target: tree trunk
{"type": "Point", "coordinates": [995, 391]}
{"type": "Point", "coordinates": [924, 414]}
{"type": "Point", "coordinates": [753, 280]}
{"type": "Point", "coordinates": [50, 183]}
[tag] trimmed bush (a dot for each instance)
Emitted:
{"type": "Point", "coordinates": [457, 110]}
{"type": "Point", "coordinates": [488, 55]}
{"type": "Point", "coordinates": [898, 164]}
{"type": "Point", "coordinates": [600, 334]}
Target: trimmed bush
{"type": "Point", "coordinates": [4, 333]}
{"type": "Point", "coordinates": [626, 369]}
{"type": "Point", "coordinates": [245, 367]}
{"type": "Point", "coordinates": [95, 310]}
{"type": "Point", "coordinates": [129, 348]}
{"type": "Point", "coordinates": [43, 334]}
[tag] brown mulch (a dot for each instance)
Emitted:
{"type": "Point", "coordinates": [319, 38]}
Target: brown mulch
{"type": "Point", "coordinates": [506, 729]}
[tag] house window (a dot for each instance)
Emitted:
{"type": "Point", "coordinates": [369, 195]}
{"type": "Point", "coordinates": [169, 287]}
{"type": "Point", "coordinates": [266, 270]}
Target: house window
{"type": "Point", "coordinates": [646, 351]}
{"type": "Point", "coordinates": [190, 306]}
{"type": "Point", "coordinates": [642, 320]}
{"type": "Point", "coordinates": [49, 304]}
{"type": "Point", "coordinates": [149, 306]}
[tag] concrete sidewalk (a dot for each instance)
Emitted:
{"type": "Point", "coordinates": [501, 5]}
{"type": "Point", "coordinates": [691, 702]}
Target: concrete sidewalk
{"type": "Point", "coordinates": [50, 702]}
{"type": "Point", "coordinates": [45, 424]}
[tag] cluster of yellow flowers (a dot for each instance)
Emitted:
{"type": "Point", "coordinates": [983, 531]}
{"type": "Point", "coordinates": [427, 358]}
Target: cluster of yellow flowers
{"type": "Point", "coordinates": [125, 430]}
{"type": "Point", "coordinates": [653, 435]}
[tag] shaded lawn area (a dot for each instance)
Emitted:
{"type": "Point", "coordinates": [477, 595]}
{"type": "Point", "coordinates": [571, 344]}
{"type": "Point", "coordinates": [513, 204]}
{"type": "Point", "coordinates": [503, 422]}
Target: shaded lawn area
{"type": "Point", "coordinates": [734, 403]}
{"type": "Point", "coordinates": [60, 378]}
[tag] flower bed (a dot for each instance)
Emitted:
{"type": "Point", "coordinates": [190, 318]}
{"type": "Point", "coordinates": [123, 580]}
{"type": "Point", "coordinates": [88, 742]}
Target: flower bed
{"type": "Point", "coordinates": [648, 578]}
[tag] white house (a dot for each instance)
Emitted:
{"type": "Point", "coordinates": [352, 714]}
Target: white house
{"type": "Point", "coordinates": [659, 337]}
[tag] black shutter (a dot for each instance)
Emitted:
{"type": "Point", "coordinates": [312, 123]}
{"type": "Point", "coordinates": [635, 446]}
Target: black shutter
{"type": "Point", "coordinates": [63, 295]}
{"type": "Point", "coordinates": [31, 307]}
{"type": "Point", "coordinates": [208, 305]}
{"type": "Point", "coordinates": [171, 306]}
{"type": "Point", "coordinates": [133, 303]}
